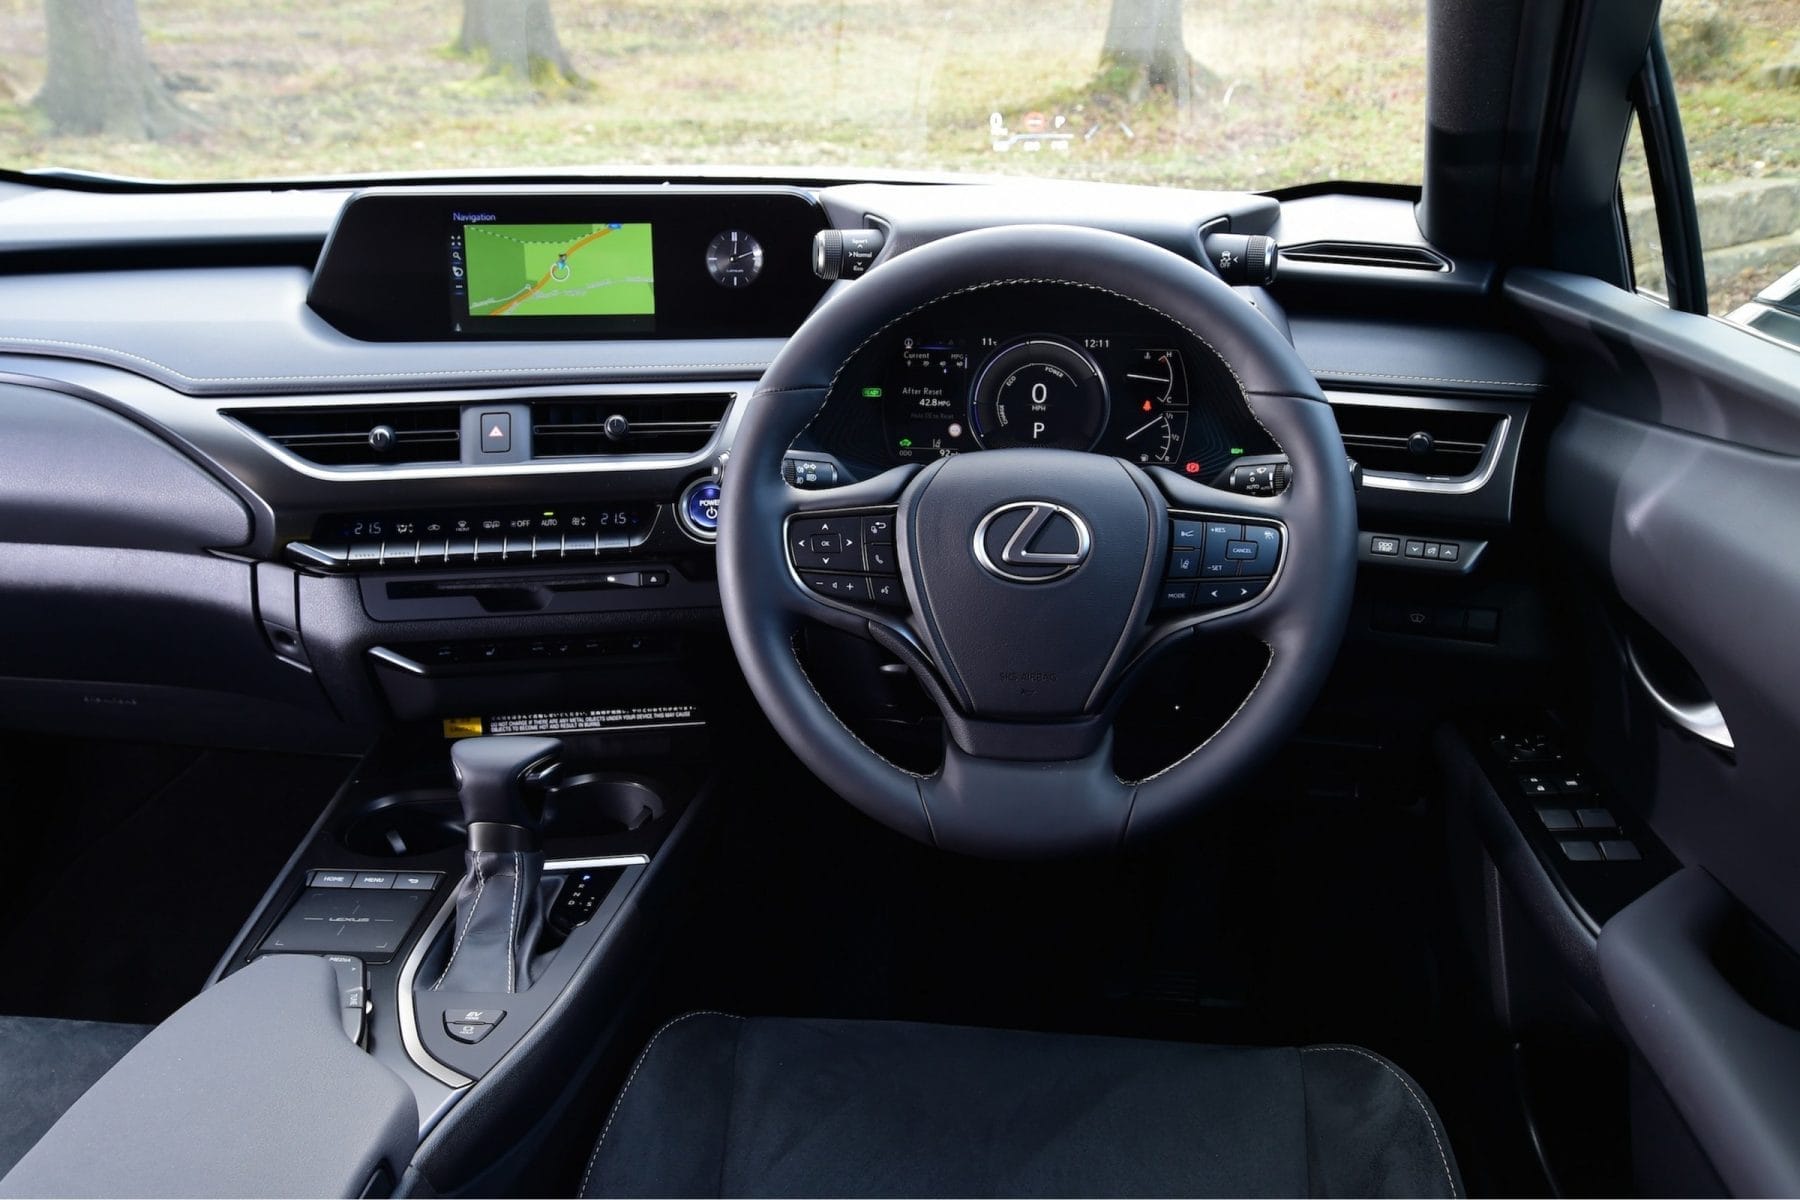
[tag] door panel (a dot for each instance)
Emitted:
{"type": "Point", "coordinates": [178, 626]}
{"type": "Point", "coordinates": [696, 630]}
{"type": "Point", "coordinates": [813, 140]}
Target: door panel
{"type": "Point", "coordinates": [1672, 487]}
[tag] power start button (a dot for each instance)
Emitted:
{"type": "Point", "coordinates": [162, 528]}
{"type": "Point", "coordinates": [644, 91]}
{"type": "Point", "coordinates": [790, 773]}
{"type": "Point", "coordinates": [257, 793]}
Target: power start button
{"type": "Point", "coordinates": [698, 509]}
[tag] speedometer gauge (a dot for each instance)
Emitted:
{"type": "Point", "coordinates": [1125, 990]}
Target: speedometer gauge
{"type": "Point", "coordinates": [1039, 392]}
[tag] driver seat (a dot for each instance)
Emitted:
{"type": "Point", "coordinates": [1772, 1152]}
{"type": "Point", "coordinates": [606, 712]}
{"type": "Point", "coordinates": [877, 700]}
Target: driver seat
{"type": "Point", "coordinates": [718, 1105]}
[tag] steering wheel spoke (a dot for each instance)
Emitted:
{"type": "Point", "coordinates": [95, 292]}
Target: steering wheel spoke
{"type": "Point", "coordinates": [839, 548]}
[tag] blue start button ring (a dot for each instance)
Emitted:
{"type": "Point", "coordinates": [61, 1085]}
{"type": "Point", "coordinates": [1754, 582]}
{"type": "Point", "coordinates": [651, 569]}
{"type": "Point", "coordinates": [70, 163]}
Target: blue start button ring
{"type": "Point", "coordinates": [698, 509]}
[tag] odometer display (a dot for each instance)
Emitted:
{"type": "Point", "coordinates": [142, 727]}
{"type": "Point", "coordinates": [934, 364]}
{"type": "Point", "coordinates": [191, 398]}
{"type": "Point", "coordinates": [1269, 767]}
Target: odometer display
{"type": "Point", "coordinates": [1039, 392]}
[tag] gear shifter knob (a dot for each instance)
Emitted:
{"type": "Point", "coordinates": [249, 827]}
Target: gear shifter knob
{"type": "Point", "coordinates": [501, 780]}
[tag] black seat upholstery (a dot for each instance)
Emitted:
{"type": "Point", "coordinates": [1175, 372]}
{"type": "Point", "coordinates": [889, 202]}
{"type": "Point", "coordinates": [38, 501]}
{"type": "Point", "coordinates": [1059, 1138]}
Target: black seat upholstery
{"type": "Point", "coordinates": [45, 1066]}
{"type": "Point", "coordinates": [726, 1106]}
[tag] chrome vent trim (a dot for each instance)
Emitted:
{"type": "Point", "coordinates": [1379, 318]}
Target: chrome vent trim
{"type": "Point", "coordinates": [341, 436]}
{"type": "Point", "coordinates": [671, 423]}
{"type": "Point", "coordinates": [1367, 254]}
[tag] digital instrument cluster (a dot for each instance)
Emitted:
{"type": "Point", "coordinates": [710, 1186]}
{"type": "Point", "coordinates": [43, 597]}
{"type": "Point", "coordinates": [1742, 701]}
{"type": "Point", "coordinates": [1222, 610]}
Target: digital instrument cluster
{"type": "Point", "coordinates": [1129, 396]}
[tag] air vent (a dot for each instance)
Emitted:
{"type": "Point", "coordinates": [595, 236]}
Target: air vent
{"type": "Point", "coordinates": [1441, 444]}
{"type": "Point", "coordinates": [613, 425]}
{"type": "Point", "coordinates": [1367, 254]}
{"type": "Point", "coordinates": [363, 436]}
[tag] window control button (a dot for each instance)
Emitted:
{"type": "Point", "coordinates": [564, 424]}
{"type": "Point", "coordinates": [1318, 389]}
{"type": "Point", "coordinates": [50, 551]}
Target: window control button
{"type": "Point", "coordinates": [1556, 819]}
{"type": "Point", "coordinates": [1620, 850]}
{"type": "Point", "coordinates": [1595, 818]}
{"type": "Point", "coordinates": [1580, 851]}
{"type": "Point", "coordinates": [1571, 783]}
{"type": "Point", "coordinates": [1538, 785]}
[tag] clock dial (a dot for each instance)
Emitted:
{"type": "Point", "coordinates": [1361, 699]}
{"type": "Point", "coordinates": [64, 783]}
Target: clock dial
{"type": "Point", "coordinates": [734, 259]}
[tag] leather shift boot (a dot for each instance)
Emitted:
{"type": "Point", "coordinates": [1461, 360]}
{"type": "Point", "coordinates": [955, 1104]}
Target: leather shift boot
{"type": "Point", "coordinates": [499, 922]}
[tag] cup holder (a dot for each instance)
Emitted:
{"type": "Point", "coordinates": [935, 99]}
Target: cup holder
{"type": "Point", "coordinates": [593, 804]}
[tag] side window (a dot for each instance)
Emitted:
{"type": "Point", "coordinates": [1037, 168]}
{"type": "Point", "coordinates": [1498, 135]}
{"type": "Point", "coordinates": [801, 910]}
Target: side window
{"type": "Point", "coordinates": [1736, 70]}
{"type": "Point", "coordinates": [1637, 205]}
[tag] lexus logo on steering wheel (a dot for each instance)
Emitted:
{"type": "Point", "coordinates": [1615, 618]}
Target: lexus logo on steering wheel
{"type": "Point", "coordinates": [1032, 541]}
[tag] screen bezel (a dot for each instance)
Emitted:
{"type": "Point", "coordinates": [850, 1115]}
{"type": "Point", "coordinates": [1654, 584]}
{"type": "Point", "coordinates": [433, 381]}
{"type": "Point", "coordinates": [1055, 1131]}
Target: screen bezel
{"type": "Point", "coordinates": [384, 274]}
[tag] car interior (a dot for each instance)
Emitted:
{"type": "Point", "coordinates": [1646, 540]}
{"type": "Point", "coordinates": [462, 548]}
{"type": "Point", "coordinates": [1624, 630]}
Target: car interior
{"type": "Point", "coordinates": [932, 684]}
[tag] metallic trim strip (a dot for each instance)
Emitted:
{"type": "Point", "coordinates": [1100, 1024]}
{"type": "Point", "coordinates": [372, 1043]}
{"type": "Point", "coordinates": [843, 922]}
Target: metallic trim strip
{"type": "Point", "coordinates": [1704, 719]}
{"type": "Point", "coordinates": [409, 1021]}
{"type": "Point", "coordinates": [582, 864]}
{"type": "Point", "coordinates": [1463, 486]}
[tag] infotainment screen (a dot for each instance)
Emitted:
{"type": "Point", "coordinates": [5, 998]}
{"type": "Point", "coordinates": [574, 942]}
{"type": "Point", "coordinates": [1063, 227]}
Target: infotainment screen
{"type": "Point", "coordinates": [603, 270]}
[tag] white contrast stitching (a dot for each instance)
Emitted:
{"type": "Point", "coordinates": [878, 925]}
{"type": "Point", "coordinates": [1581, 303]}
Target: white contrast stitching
{"type": "Point", "coordinates": [480, 885]}
{"type": "Point", "coordinates": [9, 343]}
{"type": "Point", "coordinates": [1449, 1176]}
{"type": "Point", "coordinates": [512, 927]}
{"type": "Point", "coordinates": [632, 1078]}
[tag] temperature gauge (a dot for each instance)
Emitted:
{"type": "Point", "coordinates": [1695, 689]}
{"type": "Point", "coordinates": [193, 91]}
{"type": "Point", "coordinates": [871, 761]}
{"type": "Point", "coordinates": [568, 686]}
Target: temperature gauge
{"type": "Point", "coordinates": [1156, 383]}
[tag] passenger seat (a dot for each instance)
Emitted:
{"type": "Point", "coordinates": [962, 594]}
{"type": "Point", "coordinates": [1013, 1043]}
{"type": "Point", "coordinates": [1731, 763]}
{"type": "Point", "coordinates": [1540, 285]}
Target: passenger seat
{"type": "Point", "coordinates": [45, 1066]}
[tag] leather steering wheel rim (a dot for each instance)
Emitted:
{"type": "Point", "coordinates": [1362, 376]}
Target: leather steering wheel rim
{"type": "Point", "coordinates": [996, 804]}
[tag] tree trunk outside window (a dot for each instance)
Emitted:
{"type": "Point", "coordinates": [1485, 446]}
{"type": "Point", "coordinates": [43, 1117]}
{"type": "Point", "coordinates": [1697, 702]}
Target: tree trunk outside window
{"type": "Point", "coordinates": [100, 79]}
{"type": "Point", "coordinates": [517, 38]}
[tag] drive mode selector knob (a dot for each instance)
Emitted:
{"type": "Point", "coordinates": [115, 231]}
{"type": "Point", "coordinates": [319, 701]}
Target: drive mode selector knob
{"type": "Point", "coordinates": [698, 509]}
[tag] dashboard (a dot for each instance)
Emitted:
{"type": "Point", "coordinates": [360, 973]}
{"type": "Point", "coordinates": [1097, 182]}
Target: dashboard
{"type": "Point", "coordinates": [443, 452]}
{"type": "Point", "coordinates": [990, 370]}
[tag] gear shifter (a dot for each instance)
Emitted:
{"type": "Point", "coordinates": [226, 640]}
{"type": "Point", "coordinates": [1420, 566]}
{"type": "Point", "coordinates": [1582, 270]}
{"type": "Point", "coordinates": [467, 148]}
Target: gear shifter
{"type": "Point", "coordinates": [501, 782]}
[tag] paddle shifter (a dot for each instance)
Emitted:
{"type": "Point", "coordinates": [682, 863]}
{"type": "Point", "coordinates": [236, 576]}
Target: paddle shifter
{"type": "Point", "coordinates": [501, 782]}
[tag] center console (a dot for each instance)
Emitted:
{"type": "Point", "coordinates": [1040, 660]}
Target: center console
{"type": "Point", "coordinates": [473, 955]}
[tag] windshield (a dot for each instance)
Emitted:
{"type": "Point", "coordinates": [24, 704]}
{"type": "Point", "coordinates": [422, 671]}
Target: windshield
{"type": "Point", "coordinates": [1239, 94]}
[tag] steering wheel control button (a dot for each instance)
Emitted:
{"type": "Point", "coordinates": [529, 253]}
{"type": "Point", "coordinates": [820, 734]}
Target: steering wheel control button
{"type": "Point", "coordinates": [496, 433]}
{"type": "Point", "coordinates": [1242, 551]}
{"type": "Point", "coordinates": [878, 531]}
{"type": "Point", "coordinates": [1216, 562]}
{"type": "Point", "coordinates": [1176, 594]}
{"type": "Point", "coordinates": [882, 560]}
{"type": "Point", "coordinates": [826, 543]}
{"type": "Point", "coordinates": [698, 509]}
{"type": "Point", "coordinates": [887, 592]}
{"type": "Point", "coordinates": [1184, 564]}
{"type": "Point", "coordinates": [838, 587]}
{"type": "Point", "coordinates": [1187, 535]}
{"type": "Point", "coordinates": [1219, 595]}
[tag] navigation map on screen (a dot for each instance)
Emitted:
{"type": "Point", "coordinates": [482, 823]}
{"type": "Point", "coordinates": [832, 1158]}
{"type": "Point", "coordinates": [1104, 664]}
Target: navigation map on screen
{"type": "Point", "coordinates": [563, 270]}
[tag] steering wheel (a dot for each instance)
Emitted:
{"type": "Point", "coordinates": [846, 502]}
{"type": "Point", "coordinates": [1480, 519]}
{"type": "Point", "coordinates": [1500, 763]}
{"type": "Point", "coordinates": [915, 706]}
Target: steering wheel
{"type": "Point", "coordinates": [1032, 582]}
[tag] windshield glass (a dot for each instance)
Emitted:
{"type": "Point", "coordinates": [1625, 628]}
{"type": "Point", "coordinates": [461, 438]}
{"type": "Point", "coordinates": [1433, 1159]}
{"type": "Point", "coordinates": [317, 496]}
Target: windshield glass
{"type": "Point", "coordinates": [1240, 93]}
